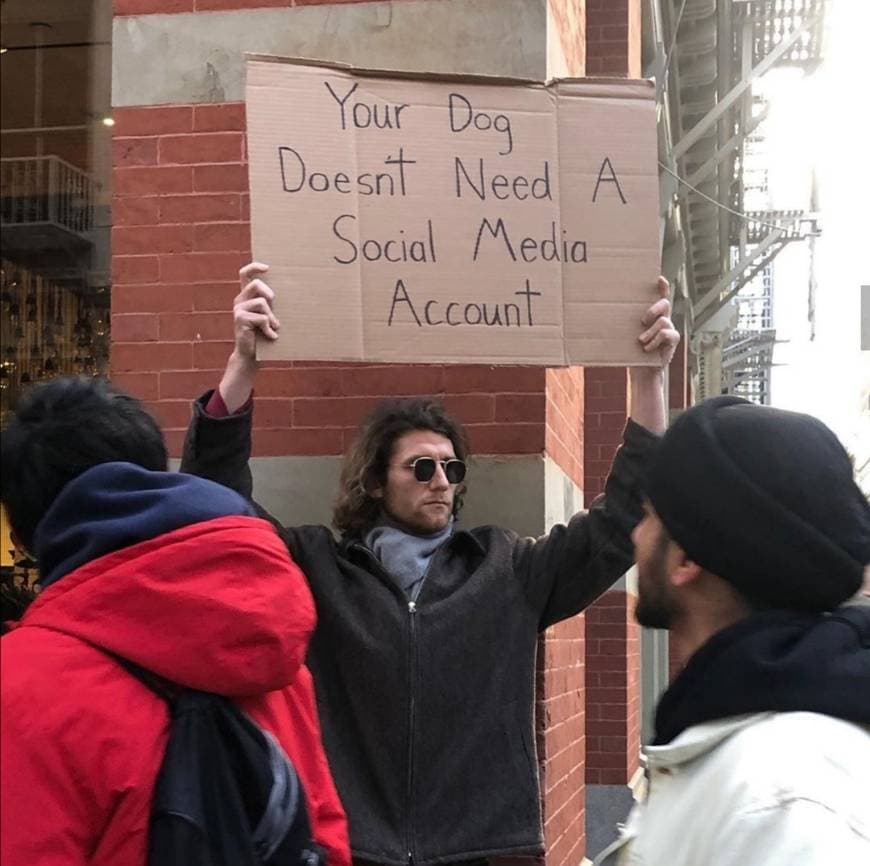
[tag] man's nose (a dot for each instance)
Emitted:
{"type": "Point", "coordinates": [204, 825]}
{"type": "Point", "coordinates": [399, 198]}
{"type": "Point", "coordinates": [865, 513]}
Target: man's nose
{"type": "Point", "coordinates": [439, 479]}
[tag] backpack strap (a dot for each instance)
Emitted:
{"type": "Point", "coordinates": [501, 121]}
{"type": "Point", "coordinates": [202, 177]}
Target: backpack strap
{"type": "Point", "coordinates": [283, 803]}
{"type": "Point", "coordinates": [161, 687]}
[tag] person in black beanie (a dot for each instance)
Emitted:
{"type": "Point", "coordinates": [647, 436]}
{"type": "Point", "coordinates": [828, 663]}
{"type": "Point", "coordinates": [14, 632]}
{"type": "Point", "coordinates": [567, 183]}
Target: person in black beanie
{"type": "Point", "coordinates": [752, 553]}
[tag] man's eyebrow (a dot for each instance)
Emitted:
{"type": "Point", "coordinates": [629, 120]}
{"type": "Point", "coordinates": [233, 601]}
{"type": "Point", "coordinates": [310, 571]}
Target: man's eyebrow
{"type": "Point", "coordinates": [418, 456]}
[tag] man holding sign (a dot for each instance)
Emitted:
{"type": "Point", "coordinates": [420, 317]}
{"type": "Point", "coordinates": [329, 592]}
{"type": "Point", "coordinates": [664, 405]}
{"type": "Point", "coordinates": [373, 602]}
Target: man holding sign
{"type": "Point", "coordinates": [424, 655]}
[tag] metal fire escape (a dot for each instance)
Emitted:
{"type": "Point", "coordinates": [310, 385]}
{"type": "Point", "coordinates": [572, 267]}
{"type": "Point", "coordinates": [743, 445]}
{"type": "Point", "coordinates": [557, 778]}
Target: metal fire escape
{"type": "Point", "coordinates": [706, 55]}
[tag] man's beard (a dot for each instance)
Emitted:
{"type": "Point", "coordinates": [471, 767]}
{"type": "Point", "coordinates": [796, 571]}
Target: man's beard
{"type": "Point", "coordinates": [655, 607]}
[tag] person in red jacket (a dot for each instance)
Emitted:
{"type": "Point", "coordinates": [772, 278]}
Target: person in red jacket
{"type": "Point", "coordinates": [166, 570]}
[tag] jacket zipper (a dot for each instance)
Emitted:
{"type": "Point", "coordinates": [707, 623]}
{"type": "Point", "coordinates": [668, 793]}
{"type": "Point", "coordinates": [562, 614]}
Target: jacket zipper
{"type": "Point", "coordinates": [412, 671]}
{"type": "Point", "coordinates": [412, 675]}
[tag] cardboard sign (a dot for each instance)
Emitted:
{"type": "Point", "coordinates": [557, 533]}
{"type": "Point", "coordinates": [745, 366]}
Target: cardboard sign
{"type": "Point", "coordinates": [459, 220]}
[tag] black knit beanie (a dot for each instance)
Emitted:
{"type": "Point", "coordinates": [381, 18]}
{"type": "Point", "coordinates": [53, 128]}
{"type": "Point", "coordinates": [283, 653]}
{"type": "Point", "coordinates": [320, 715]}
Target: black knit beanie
{"type": "Point", "coordinates": [766, 500]}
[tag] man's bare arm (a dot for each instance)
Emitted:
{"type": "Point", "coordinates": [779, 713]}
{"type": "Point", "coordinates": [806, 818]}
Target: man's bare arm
{"type": "Point", "coordinates": [646, 392]}
{"type": "Point", "coordinates": [252, 315]}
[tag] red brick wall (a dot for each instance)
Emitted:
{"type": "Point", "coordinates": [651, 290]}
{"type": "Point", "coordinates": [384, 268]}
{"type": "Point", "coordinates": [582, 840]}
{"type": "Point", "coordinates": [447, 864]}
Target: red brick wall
{"type": "Point", "coordinates": [561, 741]}
{"type": "Point", "coordinates": [180, 234]}
{"type": "Point", "coordinates": [613, 36]}
{"type": "Point", "coordinates": [612, 638]}
{"type": "Point", "coordinates": [561, 711]}
{"type": "Point", "coordinates": [612, 690]}
{"type": "Point", "coordinates": [564, 421]}
{"type": "Point", "coordinates": [606, 409]}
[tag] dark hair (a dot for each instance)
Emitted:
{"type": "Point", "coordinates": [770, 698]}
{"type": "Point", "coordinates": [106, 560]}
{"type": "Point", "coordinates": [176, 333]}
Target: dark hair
{"type": "Point", "coordinates": [63, 428]}
{"type": "Point", "coordinates": [365, 464]}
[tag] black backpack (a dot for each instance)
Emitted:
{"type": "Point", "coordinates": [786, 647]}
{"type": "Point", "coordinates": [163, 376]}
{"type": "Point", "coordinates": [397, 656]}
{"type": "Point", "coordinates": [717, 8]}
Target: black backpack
{"type": "Point", "coordinates": [226, 793]}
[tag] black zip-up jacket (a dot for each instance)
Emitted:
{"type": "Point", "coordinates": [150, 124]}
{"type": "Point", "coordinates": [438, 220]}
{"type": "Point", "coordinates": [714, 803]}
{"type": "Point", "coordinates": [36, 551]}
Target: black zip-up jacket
{"type": "Point", "coordinates": [427, 707]}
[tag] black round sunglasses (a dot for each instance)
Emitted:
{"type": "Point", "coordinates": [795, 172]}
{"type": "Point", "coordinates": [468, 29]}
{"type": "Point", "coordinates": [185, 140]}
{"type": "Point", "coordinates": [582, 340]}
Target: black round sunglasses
{"type": "Point", "coordinates": [424, 468]}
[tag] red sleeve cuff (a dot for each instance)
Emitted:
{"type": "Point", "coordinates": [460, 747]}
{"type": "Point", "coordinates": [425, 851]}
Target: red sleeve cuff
{"type": "Point", "coordinates": [216, 407]}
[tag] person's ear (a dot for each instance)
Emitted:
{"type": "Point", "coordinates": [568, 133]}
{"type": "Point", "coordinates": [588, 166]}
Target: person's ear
{"type": "Point", "coordinates": [373, 487]}
{"type": "Point", "coordinates": [685, 571]}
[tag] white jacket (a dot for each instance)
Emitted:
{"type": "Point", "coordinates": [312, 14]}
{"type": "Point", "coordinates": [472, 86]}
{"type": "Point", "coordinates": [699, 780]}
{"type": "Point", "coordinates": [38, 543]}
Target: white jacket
{"type": "Point", "coordinates": [770, 789]}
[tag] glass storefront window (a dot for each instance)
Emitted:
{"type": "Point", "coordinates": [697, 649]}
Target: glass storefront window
{"type": "Point", "coordinates": [55, 198]}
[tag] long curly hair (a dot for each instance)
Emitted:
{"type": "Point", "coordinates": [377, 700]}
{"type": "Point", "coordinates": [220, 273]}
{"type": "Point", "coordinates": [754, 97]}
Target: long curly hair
{"type": "Point", "coordinates": [366, 462]}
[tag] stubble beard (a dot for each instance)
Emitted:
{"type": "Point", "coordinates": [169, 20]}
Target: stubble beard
{"type": "Point", "coordinates": [418, 524]}
{"type": "Point", "coordinates": [655, 606]}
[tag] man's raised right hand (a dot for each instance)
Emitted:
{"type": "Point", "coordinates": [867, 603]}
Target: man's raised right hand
{"type": "Point", "coordinates": [252, 311]}
{"type": "Point", "coordinates": [252, 315]}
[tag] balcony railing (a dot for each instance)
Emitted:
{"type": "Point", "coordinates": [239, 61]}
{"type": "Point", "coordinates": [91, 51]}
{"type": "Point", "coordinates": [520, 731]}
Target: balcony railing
{"type": "Point", "coordinates": [772, 20]}
{"type": "Point", "coordinates": [46, 190]}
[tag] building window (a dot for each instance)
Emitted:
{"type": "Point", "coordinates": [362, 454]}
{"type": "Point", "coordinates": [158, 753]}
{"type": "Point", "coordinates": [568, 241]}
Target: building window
{"type": "Point", "coordinates": [55, 197]}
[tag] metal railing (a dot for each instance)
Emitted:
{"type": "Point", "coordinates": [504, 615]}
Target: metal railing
{"type": "Point", "coordinates": [46, 189]}
{"type": "Point", "coordinates": [772, 20]}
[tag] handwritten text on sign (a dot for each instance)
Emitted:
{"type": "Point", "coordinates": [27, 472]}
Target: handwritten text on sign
{"type": "Point", "coordinates": [453, 220]}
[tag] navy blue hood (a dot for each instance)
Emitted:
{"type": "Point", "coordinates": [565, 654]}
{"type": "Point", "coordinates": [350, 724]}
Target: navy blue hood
{"type": "Point", "coordinates": [116, 505]}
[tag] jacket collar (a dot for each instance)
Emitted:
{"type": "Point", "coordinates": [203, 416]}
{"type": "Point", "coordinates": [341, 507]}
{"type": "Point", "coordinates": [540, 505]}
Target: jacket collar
{"type": "Point", "coordinates": [355, 549]}
{"type": "Point", "coordinates": [698, 740]}
{"type": "Point", "coordinates": [774, 661]}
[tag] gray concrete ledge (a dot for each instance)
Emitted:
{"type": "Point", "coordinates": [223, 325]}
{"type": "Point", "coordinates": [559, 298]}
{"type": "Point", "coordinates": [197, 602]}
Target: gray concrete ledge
{"type": "Point", "coordinates": [199, 57]}
{"type": "Point", "coordinates": [506, 491]}
{"type": "Point", "coordinates": [563, 498]}
{"type": "Point", "coordinates": [525, 493]}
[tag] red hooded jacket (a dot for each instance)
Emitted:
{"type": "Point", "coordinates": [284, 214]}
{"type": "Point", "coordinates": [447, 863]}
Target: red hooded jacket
{"type": "Point", "coordinates": [217, 606]}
